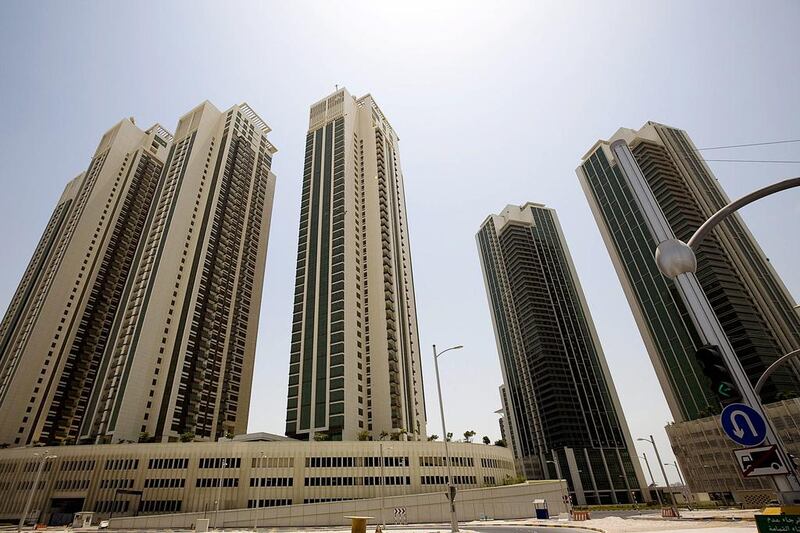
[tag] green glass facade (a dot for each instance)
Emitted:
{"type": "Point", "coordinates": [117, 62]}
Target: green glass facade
{"type": "Point", "coordinates": [752, 306]}
{"type": "Point", "coordinates": [318, 326]}
{"type": "Point", "coordinates": [562, 409]}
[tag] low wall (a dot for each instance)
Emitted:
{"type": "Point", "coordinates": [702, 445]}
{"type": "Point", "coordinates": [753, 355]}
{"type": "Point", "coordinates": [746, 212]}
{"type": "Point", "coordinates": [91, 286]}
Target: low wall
{"type": "Point", "coordinates": [509, 501]}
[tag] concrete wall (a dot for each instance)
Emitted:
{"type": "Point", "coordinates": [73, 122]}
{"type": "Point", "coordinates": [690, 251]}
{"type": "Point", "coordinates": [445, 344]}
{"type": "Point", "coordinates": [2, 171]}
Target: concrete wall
{"type": "Point", "coordinates": [511, 501]}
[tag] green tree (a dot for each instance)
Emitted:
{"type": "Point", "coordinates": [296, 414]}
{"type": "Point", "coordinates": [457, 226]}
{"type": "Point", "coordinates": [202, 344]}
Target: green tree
{"type": "Point", "coordinates": [486, 440]}
{"type": "Point", "coordinates": [363, 435]}
{"type": "Point", "coordinates": [144, 436]}
{"type": "Point", "coordinates": [468, 435]}
{"type": "Point", "coordinates": [187, 436]}
{"type": "Point", "coordinates": [320, 436]}
{"type": "Point", "coordinates": [500, 442]}
{"type": "Point", "coordinates": [433, 438]}
{"type": "Point", "coordinates": [397, 435]}
{"type": "Point", "coordinates": [449, 437]}
{"type": "Point", "coordinates": [384, 434]}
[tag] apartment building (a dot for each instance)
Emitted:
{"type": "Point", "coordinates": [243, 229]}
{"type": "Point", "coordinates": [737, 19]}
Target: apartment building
{"type": "Point", "coordinates": [355, 357]}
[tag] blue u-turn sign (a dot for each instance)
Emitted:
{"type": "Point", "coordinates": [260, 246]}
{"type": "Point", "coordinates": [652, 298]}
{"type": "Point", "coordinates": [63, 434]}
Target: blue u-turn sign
{"type": "Point", "coordinates": [743, 424]}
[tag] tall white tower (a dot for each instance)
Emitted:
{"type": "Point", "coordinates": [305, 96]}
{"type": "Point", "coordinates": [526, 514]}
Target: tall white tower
{"type": "Point", "coordinates": [355, 363]}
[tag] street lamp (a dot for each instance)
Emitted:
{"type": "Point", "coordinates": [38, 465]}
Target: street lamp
{"type": "Point", "coordinates": [223, 466]}
{"type": "Point", "coordinates": [647, 463]}
{"type": "Point", "coordinates": [43, 458]}
{"type": "Point", "coordinates": [383, 482]}
{"type": "Point", "coordinates": [652, 441]}
{"type": "Point", "coordinates": [451, 489]}
{"type": "Point", "coordinates": [683, 483]}
{"type": "Point", "coordinates": [258, 479]}
{"type": "Point", "coordinates": [564, 497]}
{"type": "Point", "coordinates": [676, 260]}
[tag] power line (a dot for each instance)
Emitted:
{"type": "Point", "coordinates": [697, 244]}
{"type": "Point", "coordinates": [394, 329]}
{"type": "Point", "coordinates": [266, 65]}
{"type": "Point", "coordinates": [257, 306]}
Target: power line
{"type": "Point", "coordinates": [786, 141]}
{"type": "Point", "coordinates": [753, 160]}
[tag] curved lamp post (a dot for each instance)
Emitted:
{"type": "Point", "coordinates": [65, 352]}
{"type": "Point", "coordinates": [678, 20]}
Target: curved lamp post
{"type": "Point", "coordinates": [677, 260]}
{"type": "Point", "coordinates": [450, 486]}
{"type": "Point", "coordinates": [675, 257]}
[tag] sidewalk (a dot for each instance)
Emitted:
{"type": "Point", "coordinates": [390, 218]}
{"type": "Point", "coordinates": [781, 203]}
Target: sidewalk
{"type": "Point", "coordinates": [639, 524]}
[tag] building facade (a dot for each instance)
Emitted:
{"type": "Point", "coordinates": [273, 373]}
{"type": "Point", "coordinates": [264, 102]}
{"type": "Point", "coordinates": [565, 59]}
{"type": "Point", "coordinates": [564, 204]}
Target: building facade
{"type": "Point", "coordinates": [355, 358]}
{"type": "Point", "coordinates": [136, 318]}
{"type": "Point", "coordinates": [704, 453]}
{"type": "Point", "coordinates": [561, 410]}
{"type": "Point", "coordinates": [140, 479]}
{"type": "Point", "coordinates": [753, 306]}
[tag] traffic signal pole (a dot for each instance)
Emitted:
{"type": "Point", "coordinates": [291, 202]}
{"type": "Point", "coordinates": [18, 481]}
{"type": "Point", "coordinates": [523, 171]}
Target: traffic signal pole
{"type": "Point", "coordinates": [702, 314]}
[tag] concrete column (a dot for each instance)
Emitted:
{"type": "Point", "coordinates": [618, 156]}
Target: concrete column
{"type": "Point", "coordinates": [577, 483]}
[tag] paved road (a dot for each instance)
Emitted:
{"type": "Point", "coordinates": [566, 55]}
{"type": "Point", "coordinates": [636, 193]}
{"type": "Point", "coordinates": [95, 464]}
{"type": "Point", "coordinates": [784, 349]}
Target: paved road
{"type": "Point", "coordinates": [523, 529]}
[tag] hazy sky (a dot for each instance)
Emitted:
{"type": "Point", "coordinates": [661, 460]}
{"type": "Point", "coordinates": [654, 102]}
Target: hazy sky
{"type": "Point", "coordinates": [494, 103]}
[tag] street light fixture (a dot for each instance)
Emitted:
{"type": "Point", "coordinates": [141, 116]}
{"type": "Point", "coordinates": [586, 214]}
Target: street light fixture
{"type": "Point", "coordinates": [451, 489]}
{"type": "Point", "coordinates": [257, 502]}
{"type": "Point", "coordinates": [383, 490]}
{"type": "Point", "coordinates": [652, 479]}
{"type": "Point", "coordinates": [676, 259]}
{"type": "Point", "coordinates": [223, 466]}
{"type": "Point", "coordinates": [564, 497]}
{"type": "Point", "coordinates": [652, 441]}
{"type": "Point", "coordinates": [684, 487]}
{"type": "Point", "coordinates": [43, 458]}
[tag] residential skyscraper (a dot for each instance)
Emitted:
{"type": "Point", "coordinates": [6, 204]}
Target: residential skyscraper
{"type": "Point", "coordinates": [138, 312]}
{"type": "Point", "coordinates": [752, 304]}
{"type": "Point", "coordinates": [355, 356]}
{"type": "Point", "coordinates": [561, 410]}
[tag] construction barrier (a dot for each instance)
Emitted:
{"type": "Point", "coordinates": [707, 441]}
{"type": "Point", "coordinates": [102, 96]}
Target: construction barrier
{"type": "Point", "coordinates": [579, 516]}
{"type": "Point", "coordinates": [668, 512]}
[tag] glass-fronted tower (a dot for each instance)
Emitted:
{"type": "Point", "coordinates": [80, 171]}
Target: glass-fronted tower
{"type": "Point", "coordinates": [355, 361]}
{"type": "Point", "coordinates": [752, 304]}
{"type": "Point", "coordinates": [561, 409]}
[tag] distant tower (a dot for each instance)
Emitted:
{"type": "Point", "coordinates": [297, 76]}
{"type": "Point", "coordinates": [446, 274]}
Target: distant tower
{"type": "Point", "coordinates": [355, 360]}
{"type": "Point", "coordinates": [561, 409]}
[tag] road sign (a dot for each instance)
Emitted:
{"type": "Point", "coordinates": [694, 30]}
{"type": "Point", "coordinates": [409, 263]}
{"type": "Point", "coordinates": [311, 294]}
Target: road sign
{"type": "Point", "coordinates": [760, 461]}
{"type": "Point", "coordinates": [777, 523]}
{"type": "Point", "coordinates": [743, 424]}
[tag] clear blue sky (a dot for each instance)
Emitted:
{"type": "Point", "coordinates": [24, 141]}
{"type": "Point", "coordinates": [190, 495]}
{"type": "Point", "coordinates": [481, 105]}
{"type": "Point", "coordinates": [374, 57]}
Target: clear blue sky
{"type": "Point", "coordinates": [494, 102]}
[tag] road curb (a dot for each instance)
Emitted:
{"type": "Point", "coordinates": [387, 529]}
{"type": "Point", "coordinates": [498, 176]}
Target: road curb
{"type": "Point", "coordinates": [572, 526]}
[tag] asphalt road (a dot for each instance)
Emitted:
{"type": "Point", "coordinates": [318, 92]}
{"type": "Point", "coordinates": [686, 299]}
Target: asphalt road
{"type": "Point", "coordinates": [523, 529]}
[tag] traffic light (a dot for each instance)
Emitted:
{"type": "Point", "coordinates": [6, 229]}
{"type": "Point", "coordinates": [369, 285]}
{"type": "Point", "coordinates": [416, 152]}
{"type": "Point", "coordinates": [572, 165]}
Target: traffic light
{"type": "Point", "coordinates": [712, 362]}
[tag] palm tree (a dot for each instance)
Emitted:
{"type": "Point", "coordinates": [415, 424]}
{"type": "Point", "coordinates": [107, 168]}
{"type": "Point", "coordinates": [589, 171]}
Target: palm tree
{"type": "Point", "coordinates": [433, 438]}
{"type": "Point", "coordinates": [468, 435]}
{"type": "Point", "coordinates": [486, 440]}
